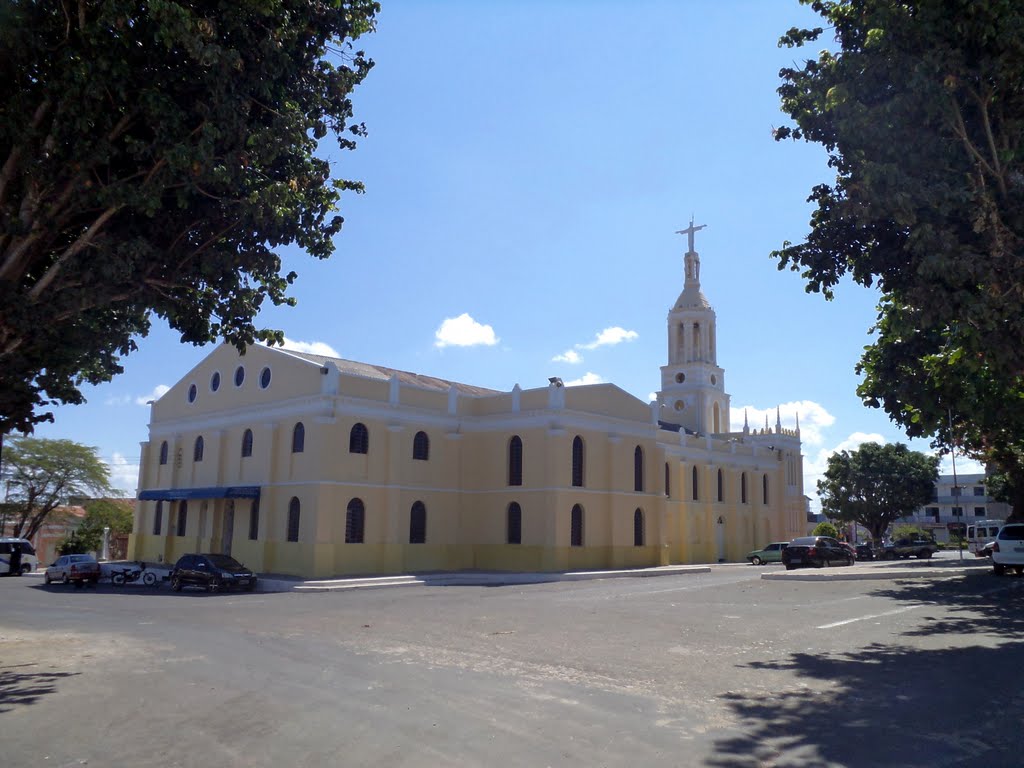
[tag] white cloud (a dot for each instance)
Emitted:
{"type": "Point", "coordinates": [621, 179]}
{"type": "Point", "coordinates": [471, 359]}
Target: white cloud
{"type": "Point", "coordinates": [310, 347]}
{"type": "Point", "coordinates": [123, 474]}
{"type": "Point", "coordinates": [118, 400]}
{"type": "Point", "coordinates": [652, 396]}
{"type": "Point", "coordinates": [587, 378]}
{"type": "Point", "coordinates": [570, 356]}
{"type": "Point", "coordinates": [158, 391]}
{"type": "Point", "coordinates": [814, 418]}
{"type": "Point", "coordinates": [964, 466]}
{"type": "Point", "coordinates": [610, 337]}
{"type": "Point", "coordinates": [464, 331]}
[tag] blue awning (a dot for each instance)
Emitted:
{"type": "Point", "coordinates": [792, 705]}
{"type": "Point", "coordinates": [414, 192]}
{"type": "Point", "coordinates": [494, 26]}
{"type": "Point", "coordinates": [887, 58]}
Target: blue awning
{"type": "Point", "coordinates": [224, 492]}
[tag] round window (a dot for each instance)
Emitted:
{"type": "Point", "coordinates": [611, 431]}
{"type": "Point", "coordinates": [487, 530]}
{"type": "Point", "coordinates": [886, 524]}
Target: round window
{"type": "Point", "coordinates": [215, 381]}
{"type": "Point", "coordinates": [239, 376]}
{"type": "Point", "coordinates": [714, 379]}
{"type": "Point", "coordinates": [680, 405]}
{"type": "Point", "coordinates": [192, 392]}
{"type": "Point", "coordinates": [265, 378]}
{"type": "Point", "coordinates": [680, 378]}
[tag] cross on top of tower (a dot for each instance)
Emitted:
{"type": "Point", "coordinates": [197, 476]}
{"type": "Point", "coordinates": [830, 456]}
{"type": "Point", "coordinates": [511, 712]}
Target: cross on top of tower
{"type": "Point", "coordinates": [689, 234]}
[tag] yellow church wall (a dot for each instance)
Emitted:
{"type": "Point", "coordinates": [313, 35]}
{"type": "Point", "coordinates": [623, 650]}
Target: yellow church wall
{"type": "Point", "coordinates": [428, 399]}
{"type": "Point", "coordinates": [365, 388]}
{"type": "Point", "coordinates": [486, 406]}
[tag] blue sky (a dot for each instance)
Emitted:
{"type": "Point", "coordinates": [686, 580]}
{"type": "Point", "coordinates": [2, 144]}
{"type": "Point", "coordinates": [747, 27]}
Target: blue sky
{"type": "Point", "coordinates": [526, 168]}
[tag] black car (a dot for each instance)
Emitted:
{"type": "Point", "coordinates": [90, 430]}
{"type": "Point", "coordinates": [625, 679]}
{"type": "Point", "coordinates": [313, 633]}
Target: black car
{"type": "Point", "coordinates": [815, 552]}
{"type": "Point", "coordinates": [213, 572]}
{"type": "Point", "coordinates": [865, 551]}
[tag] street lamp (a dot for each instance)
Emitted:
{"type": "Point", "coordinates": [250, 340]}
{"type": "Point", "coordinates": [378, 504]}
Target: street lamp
{"type": "Point", "coordinates": [956, 487]}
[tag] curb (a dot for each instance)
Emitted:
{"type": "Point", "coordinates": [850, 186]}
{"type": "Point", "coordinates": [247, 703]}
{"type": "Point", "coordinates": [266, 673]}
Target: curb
{"type": "Point", "coordinates": [873, 573]}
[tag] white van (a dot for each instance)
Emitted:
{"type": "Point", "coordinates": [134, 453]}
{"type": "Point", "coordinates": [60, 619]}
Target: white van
{"type": "Point", "coordinates": [980, 533]}
{"type": "Point", "coordinates": [29, 561]}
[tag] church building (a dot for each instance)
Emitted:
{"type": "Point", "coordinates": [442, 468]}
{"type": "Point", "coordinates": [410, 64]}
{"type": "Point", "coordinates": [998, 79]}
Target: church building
{"type": "Point", "coordinates": [315, 466]}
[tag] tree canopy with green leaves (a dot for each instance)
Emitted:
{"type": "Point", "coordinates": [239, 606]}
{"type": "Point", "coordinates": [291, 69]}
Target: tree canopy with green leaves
{"type": "Point", "coordinates": [41, 475]}
{"type": "Point", "coordinates": [153, 158]}
{"type": "Point", "coordinates": [920, 106]}
{"type": "Point", "coordinates": [876, 485]}
{"type": "Point", "coordinates": [99, 514]}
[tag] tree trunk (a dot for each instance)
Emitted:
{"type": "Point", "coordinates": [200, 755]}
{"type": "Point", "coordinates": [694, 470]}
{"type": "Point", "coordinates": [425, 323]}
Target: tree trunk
{"type": "Point", "coordinates": [1016, 498]}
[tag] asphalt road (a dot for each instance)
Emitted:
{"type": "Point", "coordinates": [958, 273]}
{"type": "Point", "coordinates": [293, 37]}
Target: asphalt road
{"type": "Point", "coordinates": [716, 669]}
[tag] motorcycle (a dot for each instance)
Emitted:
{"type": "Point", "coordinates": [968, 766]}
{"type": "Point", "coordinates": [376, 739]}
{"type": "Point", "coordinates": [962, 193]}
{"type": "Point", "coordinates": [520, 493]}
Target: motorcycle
{"type": "Point", "coordinates": [122, 576]}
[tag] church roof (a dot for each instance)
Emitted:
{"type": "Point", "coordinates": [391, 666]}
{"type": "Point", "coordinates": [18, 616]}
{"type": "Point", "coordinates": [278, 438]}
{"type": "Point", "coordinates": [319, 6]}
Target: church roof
{"type": "Point", "coordinates": [370, 371]}
{"type": "Point", "coordinates": [692, 297]}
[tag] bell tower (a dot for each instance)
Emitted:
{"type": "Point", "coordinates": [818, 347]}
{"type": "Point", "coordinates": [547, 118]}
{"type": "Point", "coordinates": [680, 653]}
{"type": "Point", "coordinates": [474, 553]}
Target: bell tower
{"type": "Point", "coordinates": [692, 384]}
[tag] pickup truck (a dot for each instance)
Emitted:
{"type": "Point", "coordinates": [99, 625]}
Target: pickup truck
{"type": "Point", "coordinates": [920, 548]}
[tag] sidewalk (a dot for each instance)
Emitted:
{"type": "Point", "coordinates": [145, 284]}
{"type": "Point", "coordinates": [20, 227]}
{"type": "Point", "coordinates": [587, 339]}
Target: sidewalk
{"type": "Point", "coordinates": [877, 570]}
{"type": "Point", "coordinates": [274, 583]}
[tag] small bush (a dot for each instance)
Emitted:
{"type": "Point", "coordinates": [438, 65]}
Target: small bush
{"type": "Point", "coordinates": [825, 529]}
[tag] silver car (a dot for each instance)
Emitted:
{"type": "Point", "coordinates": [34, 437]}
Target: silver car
{"type": "Point", "coordinates": [73, 568]}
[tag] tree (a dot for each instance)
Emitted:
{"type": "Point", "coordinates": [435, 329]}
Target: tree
{"type": "Point", "coordinates": [42, 474]}
{"type": "Point", "coordinates": [825, 528]}
{"type": "Point", "coordinates": [99, 514]}
{"type": "Point", "coordinates": [921, 110]}
{"type": "Point", "coordinates": [153, 159]}
{"type": "Point", "coordinates": [876, 485]}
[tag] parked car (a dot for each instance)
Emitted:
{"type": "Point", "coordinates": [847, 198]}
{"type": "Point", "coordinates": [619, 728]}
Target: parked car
{"type": "Point", "coordinates": [865, 551]}
{"type": "Point", "coordinates": [17, 550]}
{"type": "Point", "coordinates": [815, 552]}
{"type": "Point", "coordinates": [849, 548]}
{"type": "Point", "coordinates": [74, 569]}
{"type": "Point", "coordinates": [905, 548]}
{"type": "Point", "coordinates": [769, 554]}
{"type": "Point", "coordinates": [212, 572]}
{"type": "Point", "coordinates": [1008, 549]}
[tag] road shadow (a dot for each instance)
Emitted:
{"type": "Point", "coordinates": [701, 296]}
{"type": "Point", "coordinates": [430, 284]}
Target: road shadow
{"type": "Point", "coordinates": [21, 687]}
{"type": "Point", "coordinates": [896, 704]}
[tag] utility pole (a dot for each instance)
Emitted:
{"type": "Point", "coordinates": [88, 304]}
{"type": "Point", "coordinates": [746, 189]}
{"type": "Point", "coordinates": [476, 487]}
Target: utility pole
{"type": "Point", "coordinates": [956, 486]}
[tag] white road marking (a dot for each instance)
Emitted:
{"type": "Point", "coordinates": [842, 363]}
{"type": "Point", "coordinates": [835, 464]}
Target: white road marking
{"type": "Point", "coordinates": [870, 616]}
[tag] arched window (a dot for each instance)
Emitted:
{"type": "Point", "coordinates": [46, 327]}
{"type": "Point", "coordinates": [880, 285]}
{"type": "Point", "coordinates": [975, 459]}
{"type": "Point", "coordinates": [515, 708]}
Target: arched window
{"type": "Point", "coordinates": [743, 488]}
{"type": "Point", "coordinates": [514, 529]}
{"type": "Point", "coordinates": [197, 450]}
{"type": "Point", "coordinates": [355, 519]}
{"type": "Point", "coordinates": [764, 489]}
{"type": "Point", "coordinates": [182, 517]}
{"type": "Point", "coordinates": [158, 518]}
{"type": "Point", "coordinates": [668, 490]}
{"type": "Point", "coordinates": [163, 452]}
{"type": "Point", "coordinates": [293, 519]}
{"type": "Point", "coordinates": [721, 485]}
{"type": "Point", "coordinates": [576, 527]}
{"type": "Point", "coordinates": [638, 469]}
{"type": "Point", "coordinates": [254, 520]}
{"type": "Point", "coordinates": [418, 523]}
{"type": "Point", "coordinates": [359, 439]}
{"type": "Point", "coordinates": [515, 461]}
{"type": "Point", "coordinates": [247, 443]}
{"type": "Point", "coordinates": [577, 462]}
{"type": "Point", "coordinates": [298, 438]}
{"type": "Point", "coordinates": [638, 528]}
{"type": "Point", "coordinates": [421, 446]}
{"type": "Point", "coordinates": [695, 484]}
